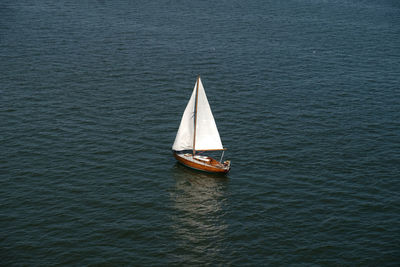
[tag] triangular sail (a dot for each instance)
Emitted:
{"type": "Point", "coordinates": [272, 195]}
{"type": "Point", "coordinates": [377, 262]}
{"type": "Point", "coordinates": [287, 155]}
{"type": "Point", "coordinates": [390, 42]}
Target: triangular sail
{"type": "Point", "coordinates": [207, 136]}
{"type": "Point", "coordinates": [184, 136]}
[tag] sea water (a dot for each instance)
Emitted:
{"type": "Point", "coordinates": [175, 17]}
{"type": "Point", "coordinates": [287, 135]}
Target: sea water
{"type": "Point", "coordinates": [306, 97]}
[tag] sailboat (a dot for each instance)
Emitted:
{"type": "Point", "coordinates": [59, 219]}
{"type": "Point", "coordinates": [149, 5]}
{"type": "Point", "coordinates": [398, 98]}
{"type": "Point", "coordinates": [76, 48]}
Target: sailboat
{"type": "Point", "coordinates": [197, 134]}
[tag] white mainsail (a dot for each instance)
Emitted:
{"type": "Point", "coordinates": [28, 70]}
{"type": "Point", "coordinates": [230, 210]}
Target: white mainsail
{"type": "Point", "coordinates": [184, 136]}
{"type": "Point", "coordinates": [207, 136]}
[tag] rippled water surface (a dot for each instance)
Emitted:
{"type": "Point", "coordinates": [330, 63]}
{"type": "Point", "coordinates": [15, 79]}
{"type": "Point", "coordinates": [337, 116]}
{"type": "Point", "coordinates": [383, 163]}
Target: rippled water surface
{"type": "Point", "coordinates": [306, 97]}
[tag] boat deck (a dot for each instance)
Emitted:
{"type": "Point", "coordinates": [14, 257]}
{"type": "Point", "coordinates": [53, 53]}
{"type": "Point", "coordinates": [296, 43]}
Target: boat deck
{"type": "Point", "coordinates": [203, 163]}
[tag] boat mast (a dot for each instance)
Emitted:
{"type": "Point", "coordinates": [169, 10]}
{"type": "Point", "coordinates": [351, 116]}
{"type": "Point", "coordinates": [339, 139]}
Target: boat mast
{"type": "Point", "coordinates": [195, 116]}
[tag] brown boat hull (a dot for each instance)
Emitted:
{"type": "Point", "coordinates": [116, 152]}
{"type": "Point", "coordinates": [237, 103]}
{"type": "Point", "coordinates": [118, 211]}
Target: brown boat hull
{"type": "Point", "coordinates": [212, 165]}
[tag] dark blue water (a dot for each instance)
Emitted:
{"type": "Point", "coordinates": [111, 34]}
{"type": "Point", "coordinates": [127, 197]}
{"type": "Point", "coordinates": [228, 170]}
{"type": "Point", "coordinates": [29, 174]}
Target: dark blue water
{"type": "Point", "coordinates": [306, 97]}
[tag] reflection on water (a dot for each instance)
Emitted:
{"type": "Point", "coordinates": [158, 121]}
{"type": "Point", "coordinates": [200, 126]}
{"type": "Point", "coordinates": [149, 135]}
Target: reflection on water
{"type": "Point", "coordinates": [198, 222]}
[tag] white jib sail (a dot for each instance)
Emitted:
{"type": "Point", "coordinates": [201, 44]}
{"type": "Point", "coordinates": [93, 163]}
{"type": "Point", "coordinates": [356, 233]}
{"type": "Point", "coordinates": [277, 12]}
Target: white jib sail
{"type": "Point", "coordinates": [184, 136]}
{"type": "Point", "coordinates": [207, 135]}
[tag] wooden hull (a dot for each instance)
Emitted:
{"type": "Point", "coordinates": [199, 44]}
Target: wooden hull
{"type": "Point", "coordinates": [206, 164]}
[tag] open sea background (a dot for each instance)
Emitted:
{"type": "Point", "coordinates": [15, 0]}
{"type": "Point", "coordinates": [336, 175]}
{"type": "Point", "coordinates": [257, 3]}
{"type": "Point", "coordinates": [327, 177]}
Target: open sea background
{"type": "Point", "coordinates": [306, 96]}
